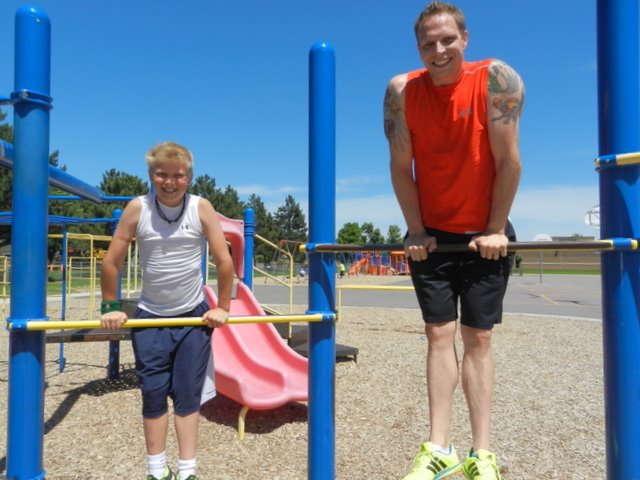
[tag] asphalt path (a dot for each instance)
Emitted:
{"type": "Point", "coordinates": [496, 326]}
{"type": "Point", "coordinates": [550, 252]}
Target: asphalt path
{"type": "Point", "coordinates": [550, 295]}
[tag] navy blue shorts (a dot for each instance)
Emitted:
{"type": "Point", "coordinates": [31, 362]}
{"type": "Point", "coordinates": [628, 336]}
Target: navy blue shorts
{"type": "Point", "coordinates": [478, 284]}
{"type": "Point", "coordinates": [171, 362]}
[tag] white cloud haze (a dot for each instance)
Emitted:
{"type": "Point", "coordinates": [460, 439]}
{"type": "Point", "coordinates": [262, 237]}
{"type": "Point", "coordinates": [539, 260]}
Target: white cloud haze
{"type": "Point", "coordinates": [555, 210]}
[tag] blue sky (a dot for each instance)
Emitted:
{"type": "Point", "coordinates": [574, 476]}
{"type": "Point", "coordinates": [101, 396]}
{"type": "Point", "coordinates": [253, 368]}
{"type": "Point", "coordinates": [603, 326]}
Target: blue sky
{"type": "Point", "coordinates": [229, 80]}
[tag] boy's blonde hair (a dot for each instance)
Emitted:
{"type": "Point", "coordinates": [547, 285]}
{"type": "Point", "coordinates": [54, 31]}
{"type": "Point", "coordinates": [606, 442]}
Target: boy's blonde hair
{"type": "Point", "coordinates": [169, 151]}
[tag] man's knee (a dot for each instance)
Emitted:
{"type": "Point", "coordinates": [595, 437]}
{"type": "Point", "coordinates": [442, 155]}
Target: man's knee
{"type": "Point", "coordinates": [476, 339]}
{"type": "Point", "coordinates": [439, 334]}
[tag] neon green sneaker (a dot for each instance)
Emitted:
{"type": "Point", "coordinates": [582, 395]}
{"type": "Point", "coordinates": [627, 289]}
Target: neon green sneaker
{"type": "Point", "coordinates": [168, 475]}
{"type": "Point", "coordinates": [481, 465]}
{"type": "Point", "coordinates": [430, 464]}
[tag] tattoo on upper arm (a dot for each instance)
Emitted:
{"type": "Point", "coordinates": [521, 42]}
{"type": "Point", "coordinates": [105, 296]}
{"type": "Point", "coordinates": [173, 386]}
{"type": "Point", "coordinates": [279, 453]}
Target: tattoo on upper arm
{"type": "Point", "coordinates": [395, 125]}
{"type": "Point", "coordinates": [391, 110]}
{"type": "Point", "coordinates": [506, 91]}
{"type": "Point", "coordinates": [389, 122]}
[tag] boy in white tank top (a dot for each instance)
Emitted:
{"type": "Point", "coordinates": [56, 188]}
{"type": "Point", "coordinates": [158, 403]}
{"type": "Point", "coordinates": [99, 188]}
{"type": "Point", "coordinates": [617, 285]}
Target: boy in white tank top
{"type": "Point", "coordinates": [170, 227]}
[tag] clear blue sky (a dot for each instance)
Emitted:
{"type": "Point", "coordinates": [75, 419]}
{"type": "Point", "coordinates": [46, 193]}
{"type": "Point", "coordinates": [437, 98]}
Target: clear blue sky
{"type": "Point", "coordinates": [229, 80]}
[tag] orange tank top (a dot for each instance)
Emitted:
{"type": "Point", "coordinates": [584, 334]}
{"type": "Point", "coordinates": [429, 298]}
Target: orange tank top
{"type": "Point", "coordinates": [453, 164]}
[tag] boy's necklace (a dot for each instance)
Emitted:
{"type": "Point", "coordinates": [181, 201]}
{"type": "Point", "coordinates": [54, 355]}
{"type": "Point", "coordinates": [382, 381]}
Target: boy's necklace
{"type": "Point", "coordinates": [162, 214]}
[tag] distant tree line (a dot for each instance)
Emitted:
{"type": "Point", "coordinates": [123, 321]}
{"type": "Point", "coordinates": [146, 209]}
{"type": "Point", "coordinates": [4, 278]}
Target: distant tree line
{"type": "Point", "coordinates": [287, 223]}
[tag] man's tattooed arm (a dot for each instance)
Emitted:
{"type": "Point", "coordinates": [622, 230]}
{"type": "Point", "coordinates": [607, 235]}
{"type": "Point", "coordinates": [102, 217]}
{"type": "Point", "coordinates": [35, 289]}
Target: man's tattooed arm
{"type": "Point", "coordinates": [395, 125]}
{"type": "Point", "coordinates": [506, 93]}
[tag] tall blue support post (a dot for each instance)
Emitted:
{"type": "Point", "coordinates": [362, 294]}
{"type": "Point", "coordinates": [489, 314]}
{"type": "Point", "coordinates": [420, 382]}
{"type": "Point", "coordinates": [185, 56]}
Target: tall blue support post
{"type": "Point", "coordinates": [619, 132]}
{"type": "Point", "coordinates": [29, 243]}
{"type": "Point", "coordinates": [249, 242]}
{"type": "Point", "coordinates": [322, 219]}
{"type": "Point", "coordinates": [114, 345]}
{"type": "Point", "coordinates": [63, 307]}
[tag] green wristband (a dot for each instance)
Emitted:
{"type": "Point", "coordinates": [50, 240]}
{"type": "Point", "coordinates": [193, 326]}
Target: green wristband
{"type": "Point", "coordinates": [110, 306]}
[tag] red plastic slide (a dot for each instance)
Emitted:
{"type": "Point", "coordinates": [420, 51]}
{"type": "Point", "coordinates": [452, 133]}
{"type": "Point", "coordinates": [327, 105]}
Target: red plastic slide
{"type": "Point", "coordinates": [253, 365]}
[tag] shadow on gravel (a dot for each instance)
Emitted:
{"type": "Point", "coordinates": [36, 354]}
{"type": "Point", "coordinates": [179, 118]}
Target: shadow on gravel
{"type": "Point", "coordinates": [224, 411]}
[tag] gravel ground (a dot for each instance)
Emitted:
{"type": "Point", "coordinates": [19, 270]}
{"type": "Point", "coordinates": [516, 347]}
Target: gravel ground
{"type": "Point", "coordinates": [549, 398]}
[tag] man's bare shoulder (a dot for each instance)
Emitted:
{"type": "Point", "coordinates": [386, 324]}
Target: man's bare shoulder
{"type": "Point", "coordinates": [506, 94]}
{"type": "Point", "coordinates": [394, 96]}
{"type": "Point", "coordinates": [504, 79]}
{"type": "Point", "coordinates": [398, 83]}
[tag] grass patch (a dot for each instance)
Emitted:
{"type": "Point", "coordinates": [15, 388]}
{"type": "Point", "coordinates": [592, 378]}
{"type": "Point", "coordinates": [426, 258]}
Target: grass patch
{"type": "Point", "coordinates": [560, 271]}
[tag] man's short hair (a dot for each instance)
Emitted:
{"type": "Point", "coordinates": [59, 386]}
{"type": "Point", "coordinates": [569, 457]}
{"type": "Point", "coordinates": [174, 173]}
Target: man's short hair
{"type": "Point", "coordinates": [435, 8]}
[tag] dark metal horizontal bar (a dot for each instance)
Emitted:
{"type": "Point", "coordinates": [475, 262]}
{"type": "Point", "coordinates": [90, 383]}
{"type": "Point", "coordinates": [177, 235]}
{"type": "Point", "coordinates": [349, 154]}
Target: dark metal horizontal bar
{"type": "Point", "coordinates": [621, 244]}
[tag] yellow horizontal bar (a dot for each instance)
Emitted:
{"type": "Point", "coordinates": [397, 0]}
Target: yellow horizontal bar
{"type": "Point", "coordinates": [628, 158]}
{"type": "Point", "coordinates": [36, 325]}
{"type": "Point", "coordinates": [375, 287]}
{"type": "Point", "coordinates": [82, 236]}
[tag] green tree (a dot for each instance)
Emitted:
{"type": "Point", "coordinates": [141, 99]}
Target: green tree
{"type": "Point", "coordinates": [265, 227]}
{"type": "Point", "coordinates": [121, 184]}
{"type": "Point", "coordinates": [371, 234]}
{"type": "Point", "coordinates": [6, 134]}
{"type": "Point", "coordinates": [57, 207]}
{"type": "Point", "coordinates": [350, 233]}
{"type": "Point", "coordinates": [54, 160]}
{"type": "Point", "coordinates": [292, 225]}
{"type": "Point", "coordinates": [394, 234]}
{"type": "Point", "coordinates": [6, 175]}
{"type": "Point", "coordinates": [230, 204]}
{"type": "Point", "coordinates": [205, 186]}
{"type": "Point", "coordinates": [6, 131]}
{"type": "Point", "coordinates": [114, 183]}
{"type": "Point", "coordinates": [6, 179]}
{"type": "Point", "coordinates": [226, 202]}
{"type": "Point", "coordinates": [117, 184]}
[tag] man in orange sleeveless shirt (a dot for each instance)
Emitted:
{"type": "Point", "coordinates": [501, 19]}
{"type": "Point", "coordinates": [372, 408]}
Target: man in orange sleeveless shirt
{"type": "Point", "coordinates": [452, 129]}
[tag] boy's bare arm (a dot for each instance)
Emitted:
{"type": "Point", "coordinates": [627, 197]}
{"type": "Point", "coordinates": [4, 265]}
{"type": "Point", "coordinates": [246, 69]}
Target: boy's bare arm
{"type": "Point", "coordinates": [219, 251]}
{"type": "Point", "coordinates": [117, 252]}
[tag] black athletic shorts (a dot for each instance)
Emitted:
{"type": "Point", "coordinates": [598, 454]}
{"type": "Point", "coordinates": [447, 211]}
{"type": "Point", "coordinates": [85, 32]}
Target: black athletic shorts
{"type": "Point", "coordinates": [445, 279]}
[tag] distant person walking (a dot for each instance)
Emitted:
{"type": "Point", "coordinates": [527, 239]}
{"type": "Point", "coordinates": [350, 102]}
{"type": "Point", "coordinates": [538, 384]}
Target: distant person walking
{"type": "Point", "coordinates": [519, 264]}
{"type": "Point", "coordinates": [341, 269]}
{"type": "Point", "coordinates": [452, 129]}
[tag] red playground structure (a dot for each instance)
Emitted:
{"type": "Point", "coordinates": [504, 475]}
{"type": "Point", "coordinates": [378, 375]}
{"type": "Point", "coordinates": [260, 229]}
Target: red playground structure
{"type": "Point", "coordinates": [378, 263]}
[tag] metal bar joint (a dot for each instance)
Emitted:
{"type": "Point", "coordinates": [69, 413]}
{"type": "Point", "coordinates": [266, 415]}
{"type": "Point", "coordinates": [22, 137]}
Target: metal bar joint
{"type": "Point", "coordinates": [616, 160]}
{"type": "Point", "coordinates": [326, 316]}
{"type": "Point", "coordinates": [22, 323]}
{"type": "Point", "coordinates": [28, 96]}
{"type": "Point", "coordinates": [624, 244]}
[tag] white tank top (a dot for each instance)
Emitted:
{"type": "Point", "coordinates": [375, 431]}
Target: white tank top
{"type": "Point", "coordinates": [171, 257]}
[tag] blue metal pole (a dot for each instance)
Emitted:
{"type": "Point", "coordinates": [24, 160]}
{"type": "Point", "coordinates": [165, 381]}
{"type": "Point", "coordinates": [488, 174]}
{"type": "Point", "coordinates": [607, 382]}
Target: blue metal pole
{"type": "Point", "coordinates": [249, 243]}
{"type": "Point", "coordinates": [29, 243]}
{"type": "Point", "coordinates": [113, 370]}
{"type": "Point", "coordinates": [63, 308]}
{"type": "Point", "coordinates": [322, 219]}
{"type": "Point", "coordinates": [619, 128]}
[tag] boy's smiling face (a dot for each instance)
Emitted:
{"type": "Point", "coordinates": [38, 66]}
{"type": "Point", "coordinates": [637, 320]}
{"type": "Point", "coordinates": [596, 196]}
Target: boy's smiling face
{"type": "Point", "coordinates": [170, 180]}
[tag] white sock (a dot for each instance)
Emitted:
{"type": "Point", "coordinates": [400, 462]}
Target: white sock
{"type": "Point", "coordinates": [156, 464]}
{"type": "Point", "coordinates": [186, 468]}
{"type": "Point", "coordinates": [443, 450]}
